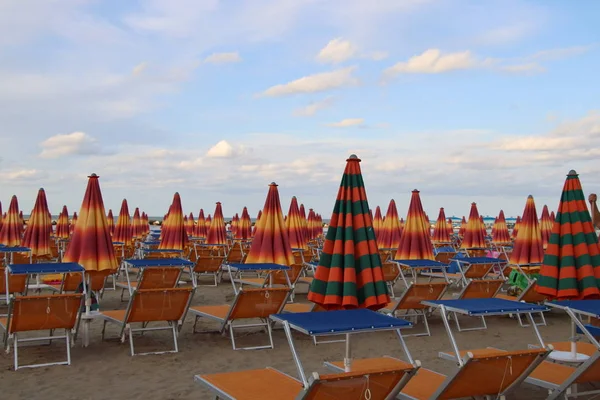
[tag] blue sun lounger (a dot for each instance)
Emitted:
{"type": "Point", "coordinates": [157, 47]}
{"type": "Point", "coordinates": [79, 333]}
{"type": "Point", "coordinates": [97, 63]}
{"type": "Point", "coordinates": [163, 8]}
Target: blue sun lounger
{"type": "Point", "coordinates": [416, 266]}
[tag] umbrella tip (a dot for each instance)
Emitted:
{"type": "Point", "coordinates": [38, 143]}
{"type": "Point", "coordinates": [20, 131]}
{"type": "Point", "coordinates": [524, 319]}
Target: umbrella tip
{"type": "Point", "coordinates": [353, 157]}
{"type": "Point", "coordinates": [572, 172]}
{"type": "Point", "coordinates": [273, 184]}
{"type": "Point", "coordinates": [530, 196]}
{"type": "Point", "coordinates": [93, 175]}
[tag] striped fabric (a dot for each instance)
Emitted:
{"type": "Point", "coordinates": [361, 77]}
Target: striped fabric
{"type": "Point", "coordinates": [473, 235]}
{"type": "Point", "coordinates": [515, 230]}
{"type": "Point", "coordinates": [110, 218]}
{"type": "Point", "coordinates": [415, 243]}
{"type": "Point", "coordinates": [349, 274]}
{"type": "Point", "coordinates": [200, 231]}
{"type": "Point", "coordinates": [293, 225]}
{"type": "Point", "coordinates": [216, 233]}
{"type": "Point", "coordinates": [37, 234]}
{"type": "Point", "coordinates": [73, 223]}
{"type": "Point", "coordinates": [377, 222]}
{"type": "Point", "coordinates": [137, 230]}
{"type": "Point", "coordinates": [123, 230]}
{"type": "Point", "coordinates": [62, 225]}
{"type": "Point", "coordinates": [191, 225]}
{"type": "Point", "coordinates": [440, 231]}
{"type": "Point", "coordinates": [244, 228]}
{"type": "Point", "coordinates": [500, 235]}
{"type": "Point", "coordinates": [527, 248]}
{"type": "Point", "coordinates": [546, 226]}
{"type": "Point", "coordinates": [91, 244]}
{"type": "Point", "coordinates": [174, 236]}
{"type": "Point", "coordinates": [463, 227]}
{"type": "Point", "coordinates": [390, 230]}
{"type": "Point", "coordinates": [571, 267]}
{"type": "Point", "coordinates": [10, 235]}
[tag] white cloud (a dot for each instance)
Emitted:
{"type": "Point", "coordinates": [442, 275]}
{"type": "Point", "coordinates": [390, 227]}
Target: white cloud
{"type": "Point", "coordinates": [337, 51]}
{"type": "Point", "coordinates": [223, 58]}
{"type": "Point", "coordinates": [560, 53]}
{"type": "Point", "coordinates": [312, 108]}
{"type": "Point", "coordinates": [524, 68]}
{"type": "Point", "coordinates": [432, 61]}
{"type": "Point", "coordinates": [315, 83]}
{"type": "Point", "coordinates": [347, 122]}
{"type": "Point", "coordinates": [21, 175]}
{"type": "Point", "coordinates": [76, 143]}
{"type": "Point", "coordinates": [539, 143]}
{"type": "Point", "coordinates": [224, 149]}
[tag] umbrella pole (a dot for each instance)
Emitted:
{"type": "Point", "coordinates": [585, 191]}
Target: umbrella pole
{"type": "Point", "coordinates": [348, 358]}
{"type": "Point", "coordinates": [573, 343]}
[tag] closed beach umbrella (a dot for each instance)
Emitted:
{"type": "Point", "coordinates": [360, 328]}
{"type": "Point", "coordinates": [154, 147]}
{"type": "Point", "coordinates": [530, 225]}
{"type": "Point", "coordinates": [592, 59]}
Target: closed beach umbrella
{"type": "Point", "coordinates": [527, 248]}
{"type": "Point", "coordinates": [123, 230]}
{"type": "Point", "coordinates": [377, 222]}
{"type": "Point", "coordinates": [515, 230]}
{"type": "Point", "coordinates": [415, 243]}
{"type": "Point", "coordinates": [37, 234]}
{"type": "Point", "coordinates": [73, 223]}
{"type": "Point", "coordinates": [304, 222]}
{"type": "Point", "coordinates": [21, 223]}
{"type": "Point", "coordinates": [463, 227]}
{"type": "Point", "coordinates": [546, 226]}
{"type": "Point", "coordinates": [440, 231]}
{"type": "Point", "coordinates": [111, 222]}
{"type": "Point", "coordinates": [207, 222]}
{"type": "Point", "coordinates": [216, 232]}
{"type": "Point", "coordinates": [294, 227]}
{"type": "Point", "coordinates": [62, 225]}
{"type": "Point", "coordinates": [91, 244]}
{"type": "Point", "coordinates": [200, 231]}
{"type": "Point", "coordinates": [473, 237]}
{"type": "Point", "coordinates": [1, 216]}
{"type": "Point", "coordinates": [244, 228]}
{"type": "Point", "coordinates": [391, 230]}
{"type": "Point", "coordinates": [258, 220]}
{"type": "Point", "coordinates": [271, 243]}
{"type": "Point", "coordinates": [10, 235]}
{"type": "Point", "coordinates": [571, 266]}
{"type": "Point", "coordinates": [349, 274]}
{"type": "Point", "coordinates": [137, 230]}
{"type": "Point", "coordinates": [449, 226]}
{"type": "Point", "coordinates": [500, 235]}
{"type": "Point", "coordinates": [174, 234]}
{"type": "Point", "coordinates": [311, 222]}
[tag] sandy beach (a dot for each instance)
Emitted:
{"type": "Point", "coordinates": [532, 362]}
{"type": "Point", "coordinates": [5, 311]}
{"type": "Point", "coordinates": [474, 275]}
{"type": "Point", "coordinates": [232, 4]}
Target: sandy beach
{"type": "Point", "coordinates": [105, 370]}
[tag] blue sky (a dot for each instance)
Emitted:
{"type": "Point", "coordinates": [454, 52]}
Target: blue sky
{"type": "Point", "coordinates": [466, 101]}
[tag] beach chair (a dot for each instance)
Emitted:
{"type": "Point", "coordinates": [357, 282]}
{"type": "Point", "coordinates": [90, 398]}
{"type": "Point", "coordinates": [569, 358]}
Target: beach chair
{"type": "Point", "coordinates": [150, 305]}
{"type": "Point", "coordinates": [277, 278]}
{"type": "Point", "coordinates": [529, 295]}
{"type": "Point", "coordinates": [39, 313]}
{"type": "Point", "coordinates": [410, 303]}
{"type": "Point", "coordinates": [494, 374]}
{"type": "Point", "coordinates": [153, 278]}
{"type": "Point", "coordinates": [478, 289]}
{"type": "Point", "coordinates": [17, 284]}
{"type": "Point", "coordinates": [209, 266]}
{"type": "Point", "coordinates": [376, 384]}
{"type": "Point", "coordinates": [248, 304]}
{"type": "Point", "coordinates": [235, 254]}
{"type": "Point", "coordinates": [391, 274]}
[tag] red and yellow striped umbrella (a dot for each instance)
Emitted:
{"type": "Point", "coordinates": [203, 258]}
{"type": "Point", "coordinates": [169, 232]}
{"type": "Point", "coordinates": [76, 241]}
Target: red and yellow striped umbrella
{"type": "Point", "coordinates": [571, 266]}
{"type": "Point", "coordinates": [201, 230]}
{"type": "Point", "coordinates": [271, 243]}
{"type": "Point", "coordinates": [515, 230]}
{"type": "Point", "coordinates": [552, 217]}
{"type": "Point", "coordinates": [37, 234]}
{"type": "Point", "coordinates": [111, 221]}
{"type": "Point", "coordinates": [546, 226]}
{"type": "Point", "coordinates": [62, 225]}
{"type": "Point", "coordinates": [123, 232]}
{"type": "Point", "coordinates": [304, 221]}
{"type": "Point", "coordinates": [294, 227]}
{"type": "Point", "coordinates": [483, 228]}
{"type": "Point", "coordinates": [1, 216]}
{"type": "Point", "coordinates": [10, 235]}
{"type": "Point", "coordinates": [216, 233]}
{"type": "Point", "coordinates": [207, 223]}
{"type": "Point", "coordinates": [415, 243]}
{"type": "Point", "coordinates": [528, 248]}
{"type": "Point", "coordinates": [349, 274]}
{"type": "Point", "coordinates": [91, 244]}
{"type": "Point", "coordinates": [234, 224]}
{"type": "Point", "coordinates": [257, 221]}
{"type": "Point", "coordinates": [319, 227]}
{"type": "Point", "coordinates": [391, 230]}
{"type": "Point", "coordinates": [137, 230]}
{"type": "Point", "coordinates": [73, 223]}
{"type": "Point", "coordinates": [473, 238]}
{"type": "Point", "coordinates": [21, 223]}
{"type": "Point", "coordinates": [500, 235]}
{"type": "Point", "coordinates": [440, 231]}
{"type": "Point", "coordinates": [311, 222]}
{"type": "Point", "coordinates": [191, 225]}
{"type": "Point", "coordinates": [146, 223]}
{"type": "Point", "coordinates": [377, 222]}
{"type": "Point", "coordinates": [449, 226]}
{"type": "Point", "coordinates": [463, 227]}
{"type": "Point", "coordinates": [174, 235]}
{"type": "Point", "coordinates": [244, 229]}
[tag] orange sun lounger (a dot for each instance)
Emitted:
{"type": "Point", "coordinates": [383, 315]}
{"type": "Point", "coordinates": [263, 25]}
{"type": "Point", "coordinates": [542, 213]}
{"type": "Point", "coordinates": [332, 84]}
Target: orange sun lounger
{"type": "Point", "coordinates": [38, 313]}
{"type": "Point", "coordinates": [377, 384]}
{"type": "Point", "coordinates": [248, 304]}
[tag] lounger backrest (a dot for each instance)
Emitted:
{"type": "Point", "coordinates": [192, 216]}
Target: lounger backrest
{"type": "Point", "coordinates": [208, 263]}
{"type": "Point", "coordinates": [21, 258]}
{"type": "Point", "coordinates": [34, 313]}
{"type": "Point", "coordinates": [481, 289]}
{"type": "Point", "coordinates": [490, 375]}
{"type": "Point", "coordinates": [278, 277]}
{"type": "Point", "coordinates": [298, 256]}
{"type": "Point", "coordinates": [477, 271]}
{"type": "Point", "coordinates": [390, 271]}
{"type": "Point", "coordinates": [96, 278]}
{"type": "Point", "coordinates": [16, 283]}
{"type": "Point", "coordinates": [445, 257]}
{"type": "Point", "coordinates": [374, 385]}
{"type": "Point", "coordinates": [159, 278]}
{"type": "Point", "coordinates": [258, 303]}
{"type": "Point", "coordinates": [418, 292]}
{"type": "Point", "coordinates": [384, 255]}
{"type": "Point", "coordinates": [159, 304]}
{"type": "Point", "coordinates": [477, 252]}
{"type": "Point", "coordinates": [235, 254]}
{"type": "Point", "coordinates": [530, 295]}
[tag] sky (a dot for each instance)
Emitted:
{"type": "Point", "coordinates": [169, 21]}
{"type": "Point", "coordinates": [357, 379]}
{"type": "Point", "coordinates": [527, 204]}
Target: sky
{"type": "Point", "coordinates": [484, 102]}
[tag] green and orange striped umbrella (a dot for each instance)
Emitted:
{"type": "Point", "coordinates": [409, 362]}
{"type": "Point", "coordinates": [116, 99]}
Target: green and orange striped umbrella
{"type": "Point", "coordinates": [546, 226]}
{"type": "Point", "coordinates": [174, 234]}
{"type": "Point", "coordinates": [463, 227]}
{"type": "Point", "coordinates": [515, 230]}
{"type": "Point", "coordinates": [137, 230]}
{"type": "Point", "coordinates": [111, 221]}
{"type": "Point", "coordinates": [91, 244]}
{"type": "Point", "coordinates": [123, 232]}
{"type": "Point", "coordinates": [73, 223]}
{"type": "Point", "coordinates": [571, 266]}
{"type": "Point", "coordinates": [294, 227]}
{"type": "Point", "coordinates": [271, 243]}
{"type": "Point", "coordinates": [62, 225]}
{"type": "Point", "coordinates": [500, 235]}
{"type": "Point", "coordinates": [349, 274]}
{"type": "Point", "coordinates": [201, 230]}
{"type": "Point", "coordinates": [10, 235]}
{"type": "Point", "coordinates": [37, 233]}
{"type": "Point", "coordinates": [216, 233]}
{"type": "Point", "coordinates": [391, 230]}
{"type": "Point", "coordinates": [244, 229]}
{"type": "Point", "coordinates": [440, 231]}
{"type": "Point", "coordinates": [377, 222]}
{"type": "Point", "coordinates": [473, 237]}
{"type": "Point", "coordinates": [528, 248]}
{"type": "Point", "coordinates": [415, 243]}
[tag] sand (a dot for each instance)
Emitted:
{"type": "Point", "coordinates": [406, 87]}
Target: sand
{"type": "Point", "coordinates": [105, 370]}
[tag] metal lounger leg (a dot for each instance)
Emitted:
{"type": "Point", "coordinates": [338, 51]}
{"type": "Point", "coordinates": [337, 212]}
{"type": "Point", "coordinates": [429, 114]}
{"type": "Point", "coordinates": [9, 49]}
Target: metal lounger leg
{"type": "Point", "coordinates": [477, 328]}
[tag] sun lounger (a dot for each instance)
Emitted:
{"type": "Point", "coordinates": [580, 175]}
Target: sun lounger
{"type": "Point", "coordinates": [529, 295]}
{"type": "Point", "coordinates": [248, 304]}
{"type": "Point", "coordinates": [411, 303]}
{"type": "Point", "coordinates": [38, 313]}
{"type": "Point", "coordinates": [376, 384]}
{"type": "Point", "coordinates": [151, 305]}
{"type": "Point", "coordinates": [11, 284]}
{"type": "Point", "coordinates": [209, 266]}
